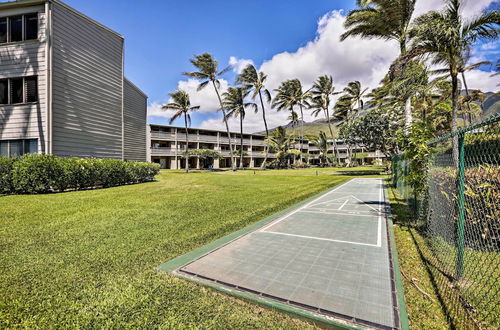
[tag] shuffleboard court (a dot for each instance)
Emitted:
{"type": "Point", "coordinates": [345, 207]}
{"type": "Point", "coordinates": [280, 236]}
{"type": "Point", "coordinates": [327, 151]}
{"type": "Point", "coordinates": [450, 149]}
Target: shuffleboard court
{"type": "Point", "coordinates": [330, 255]}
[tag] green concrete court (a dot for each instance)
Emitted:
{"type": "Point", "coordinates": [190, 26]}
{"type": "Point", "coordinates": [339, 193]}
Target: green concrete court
{"type": "Point", "coordinates": [329, 256]}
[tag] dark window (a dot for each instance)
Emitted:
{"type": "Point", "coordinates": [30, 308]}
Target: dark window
{"type": "Point", "coordinates": [3, 30]}
{"type": "Point", "coordinates": [31, 89]}
{"type": "Point", "coordinates": [15, 148]}
{"type": "Point", "coordinates": [16, 91]}
{"type": "Point", "coordinates": [4, 148]}
{"type": "Point", "coordinates": [4, 91]}
{"type": "Point", "coordinates": [30, 146]}
{"type": "Point", "coordinates": [16, 28]}
{"type": "Point", "coordinates": [31, 26]}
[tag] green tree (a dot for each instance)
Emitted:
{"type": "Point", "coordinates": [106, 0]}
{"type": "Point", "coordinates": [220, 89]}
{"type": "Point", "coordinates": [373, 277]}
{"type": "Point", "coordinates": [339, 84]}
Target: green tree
{"type": "Point", "coordinates": [447, 37]}
{"type": "Point", "coordinates": [288, 95]}
{"type": "Point", "coordinates": [182, 107]}
{"type": "Point", "coordinates": [322, 143]}
{"type": "Point", "coordinates": [321, 94]}
{"type": "Point", "coordinates": [386, 20]}
{"type": "Point", "coordinates": [280, 143]}
{"type": "Point", "coordinates": [234, 102]}
{"type": "Point", "coordinates": [209, 73]}
{"type": "Point", "coordinates": [253, 80]}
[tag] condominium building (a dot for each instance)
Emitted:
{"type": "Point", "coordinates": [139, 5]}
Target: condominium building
{"type": "Point", "coordinates": [62, 88]}
{"type": "Point", "coordinates": [167, 145]}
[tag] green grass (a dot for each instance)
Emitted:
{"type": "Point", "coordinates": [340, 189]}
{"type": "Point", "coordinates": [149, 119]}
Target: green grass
{"type": "Point", "coordinates": [423, 313]}
{"type": "Point", "coordinates": [86, 259]}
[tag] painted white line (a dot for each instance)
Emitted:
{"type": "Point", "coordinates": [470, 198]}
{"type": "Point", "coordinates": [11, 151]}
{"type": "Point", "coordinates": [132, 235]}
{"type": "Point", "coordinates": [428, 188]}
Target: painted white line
{"type": "Point", "coordinates": [379, 238]}
{"type": "Point", "coordinates": [302, 207]}
{"type": "Point", "coordinates": [352, 213]}
{"type": "Point", "coordinates": [341, 206]}
{"type": "Point", "coordinates": [319, 238]}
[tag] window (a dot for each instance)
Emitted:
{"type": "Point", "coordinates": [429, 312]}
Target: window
{"type": "Point", "coordinates": [3, 30]}
{"type": "Point", "coordinates": [16, 28]}
{"type": "Point", "coordinates": [31, 89]}
{"type": "Point", "coordinates": [4, 91]}
{"type": "Point", "coordinates": [31, 26]}
{"type": "Point", "coordinates": [15, 148]}
{"type": "Point", "coordinates": [16, 90]}
{"type": "Point", "coordinates": [22, 90]}
{"type": "Point", "coordinates": [19, 28]}
{"type": "Point", "coordinates": [4, 148]}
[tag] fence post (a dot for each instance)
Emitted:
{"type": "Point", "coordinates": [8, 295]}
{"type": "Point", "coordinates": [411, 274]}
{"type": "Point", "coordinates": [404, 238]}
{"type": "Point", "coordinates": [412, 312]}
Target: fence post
{"type": "Point", "coordinates": [461, 207]}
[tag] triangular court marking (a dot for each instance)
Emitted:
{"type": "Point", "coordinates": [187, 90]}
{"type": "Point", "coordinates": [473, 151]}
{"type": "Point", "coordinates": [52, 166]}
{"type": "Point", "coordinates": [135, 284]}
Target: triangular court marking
{"type": "Point", "coordinates": [343, 199]}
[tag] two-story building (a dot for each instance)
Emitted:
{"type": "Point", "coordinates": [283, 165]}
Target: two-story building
{"type": "Point", "coordinates": [62, 85]}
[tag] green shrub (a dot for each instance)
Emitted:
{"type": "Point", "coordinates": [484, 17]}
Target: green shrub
{"type": "Point", "coordinates": [6, 166]}
{"type": "Point", "coordinates": [35, 173]}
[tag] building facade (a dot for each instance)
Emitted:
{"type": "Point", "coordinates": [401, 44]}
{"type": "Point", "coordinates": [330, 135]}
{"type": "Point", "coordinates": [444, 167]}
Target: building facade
{"type": "Point", "coordinates": [167, 145]}
{"type": "Point", "coordinates": [62, 88]}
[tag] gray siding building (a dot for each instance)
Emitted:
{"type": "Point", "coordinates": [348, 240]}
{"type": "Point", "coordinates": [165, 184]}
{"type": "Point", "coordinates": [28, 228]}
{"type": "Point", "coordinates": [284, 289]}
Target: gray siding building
{"type": "Point", "coordinates": [62, 87]}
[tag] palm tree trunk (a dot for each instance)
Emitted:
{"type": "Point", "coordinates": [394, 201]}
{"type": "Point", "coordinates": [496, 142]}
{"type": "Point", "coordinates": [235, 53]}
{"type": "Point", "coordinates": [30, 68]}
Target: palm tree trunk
{"type": "Point", "coordinates": [454, 124]}
{"type": "Point", "coordinates": [233, 167]}
{"type": "Point", "coordinates": [241, 141]}
{"type": "Point", "coordinates": [187, 144]}
{"type": "Point", "coordinates": [408, 115]}
{"type": "Point", "coordinates": [301, 131]}
{"type": "Point", "coordinates": [335, 151]}
{"type": "Point", "coordinates": [467, 93]}
{"type": "Point", "coordinates": [266, 148]}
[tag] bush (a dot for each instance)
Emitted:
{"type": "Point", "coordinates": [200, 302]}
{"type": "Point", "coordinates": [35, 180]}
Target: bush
{"type": "Point", "coordinates": [6, 166]}
{"type": "Point", "coordinates": [35, 173]}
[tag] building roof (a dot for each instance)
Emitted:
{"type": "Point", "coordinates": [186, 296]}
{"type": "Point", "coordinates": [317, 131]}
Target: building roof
{"type": "Point", "coordinates": [206, 130]}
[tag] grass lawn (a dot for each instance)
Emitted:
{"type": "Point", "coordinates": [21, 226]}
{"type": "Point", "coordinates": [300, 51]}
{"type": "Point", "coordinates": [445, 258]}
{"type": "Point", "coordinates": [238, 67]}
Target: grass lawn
{"type": "Point", "coordinates": [86, 259]}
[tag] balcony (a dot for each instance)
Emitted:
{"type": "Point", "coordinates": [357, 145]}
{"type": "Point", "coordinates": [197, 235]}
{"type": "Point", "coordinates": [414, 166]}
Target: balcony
{"type": "Point", "coordinates": [163, 135]}
{"type": "Point", "coordinates": [165, 151]}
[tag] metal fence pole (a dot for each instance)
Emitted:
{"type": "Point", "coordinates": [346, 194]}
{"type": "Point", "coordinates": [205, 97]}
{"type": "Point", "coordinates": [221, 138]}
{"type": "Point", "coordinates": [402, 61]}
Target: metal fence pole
{"type": "Point", "coordinates": [461, 207]}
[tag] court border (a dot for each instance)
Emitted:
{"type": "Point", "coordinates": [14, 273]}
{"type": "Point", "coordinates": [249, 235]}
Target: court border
{"type": "Point", "coordinates": [175, 264]}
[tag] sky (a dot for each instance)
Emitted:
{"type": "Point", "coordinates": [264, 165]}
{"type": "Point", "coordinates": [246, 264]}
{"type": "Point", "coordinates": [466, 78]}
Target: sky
{"type": "Point", "coordinates": [284, 38]}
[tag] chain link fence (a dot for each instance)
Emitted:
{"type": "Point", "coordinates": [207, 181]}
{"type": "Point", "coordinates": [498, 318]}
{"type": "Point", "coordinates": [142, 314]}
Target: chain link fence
{"type": "Point", "coordinates": [458, 214]}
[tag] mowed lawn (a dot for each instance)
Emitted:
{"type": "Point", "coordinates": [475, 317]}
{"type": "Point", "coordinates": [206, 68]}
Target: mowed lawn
{"type": "Point", "coordinates": [87, 259]}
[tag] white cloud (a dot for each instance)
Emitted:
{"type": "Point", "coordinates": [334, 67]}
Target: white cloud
{"type": "Point", "coordinates": [239, 64]}
{"type": "Point", "coordinates": [470, 8]}
{"type": "Point", "coordinates": [477, 79]}
{"type": "Point", "coordinates": [154, 110]}
{"type": "Point", "coordinates": [352, 59]}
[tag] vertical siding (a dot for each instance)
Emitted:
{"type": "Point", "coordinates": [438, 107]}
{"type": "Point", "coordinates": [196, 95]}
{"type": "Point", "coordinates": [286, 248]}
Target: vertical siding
{"type": "Point", "coordinates": [87, 91]}
{"type": "Point", "coordinates": [27, 121]}
{"type": "Point", "coordinates": [134, 114]}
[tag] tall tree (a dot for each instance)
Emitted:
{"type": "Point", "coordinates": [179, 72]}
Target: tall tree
{"type": "Point", "coordinates": [447, 37]}
{"type": "Point", "coordinates": [386, 20]}
{"type": "Point", "coordinates": [182, 107]}
{"type": "Point", "coordinates": [288, 95]}
{"type": "Point", "coordinates": [253, 80]}
{"type": "Point", "coordinates": [234, 102]}
{"type": "Point", "coordinates": [321, 93]}
{"type": "Point", "coordinates": [322, 143]}
{"type": "Point", "coordinates": [209, 73]}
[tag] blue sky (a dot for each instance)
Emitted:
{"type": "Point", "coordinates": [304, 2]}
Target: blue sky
{"type": "Point", "coordinates": [284, 38]}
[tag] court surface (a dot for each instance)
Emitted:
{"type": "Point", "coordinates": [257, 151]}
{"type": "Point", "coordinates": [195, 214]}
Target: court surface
{"type": "Point", "coordinates": [330, 256]}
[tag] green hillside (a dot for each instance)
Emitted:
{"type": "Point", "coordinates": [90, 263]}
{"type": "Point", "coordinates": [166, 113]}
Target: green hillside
{"type": "Point", "coordinates": [312, 129]}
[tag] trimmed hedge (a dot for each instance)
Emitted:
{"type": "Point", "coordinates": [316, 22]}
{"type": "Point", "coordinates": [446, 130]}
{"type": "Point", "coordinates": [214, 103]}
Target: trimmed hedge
{"type": "Point", "coordinates": [38, 173]}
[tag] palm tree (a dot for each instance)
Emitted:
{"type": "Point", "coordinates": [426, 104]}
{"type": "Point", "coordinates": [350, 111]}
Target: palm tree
{"type": "Point", "coordinates": [447, 38]}
{"type": "Point", "coordinates": [289, 94]}
{"type": "Point", "coordinates": [251, 79]}
{"type": "Point", "coordinates": [234, 102]}
{"type": "Point", "coordinates": [209, 72]}
{"type": "Point", "coordinates": [182, 107]}
{"type": "Point", "coordinates": [280, 143]}
{"type": "Point", "coordinates": [321, 92]}
{"type": "Point", "coordinates": [322, 143]}
{"type": "Point", "coordinates": [293, 118]}
{"type": "Point", "coordinates": [386, 20]}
